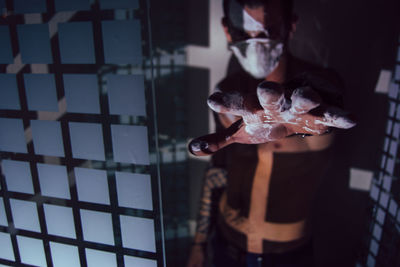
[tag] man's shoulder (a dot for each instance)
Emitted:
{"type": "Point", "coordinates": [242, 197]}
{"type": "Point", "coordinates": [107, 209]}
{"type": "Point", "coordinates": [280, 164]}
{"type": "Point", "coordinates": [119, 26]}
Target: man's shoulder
{"type": "Point", "coordinates": [308, 70]}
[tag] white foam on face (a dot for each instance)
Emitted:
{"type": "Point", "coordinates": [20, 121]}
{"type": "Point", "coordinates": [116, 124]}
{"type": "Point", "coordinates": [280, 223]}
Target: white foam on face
{"type": "Point", "coordinates": [261, 57]}
{"type": "Point", "coordinates": [252, 25]}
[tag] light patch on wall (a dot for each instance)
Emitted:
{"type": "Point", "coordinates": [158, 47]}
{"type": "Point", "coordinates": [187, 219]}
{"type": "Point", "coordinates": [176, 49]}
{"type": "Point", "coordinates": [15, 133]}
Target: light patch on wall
{"type": "Point", "coordinates": [382, 86]}
{"type": "Point", "coordinates": [360, 179]}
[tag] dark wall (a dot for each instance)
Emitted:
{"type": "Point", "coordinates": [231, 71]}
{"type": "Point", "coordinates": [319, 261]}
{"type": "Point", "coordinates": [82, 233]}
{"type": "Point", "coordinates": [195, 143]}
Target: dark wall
{"type": "Point", "coordinates": [357, 38]}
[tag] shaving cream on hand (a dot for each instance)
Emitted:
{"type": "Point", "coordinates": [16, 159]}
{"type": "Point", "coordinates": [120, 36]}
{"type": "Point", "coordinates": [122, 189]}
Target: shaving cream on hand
{"type": "Point", "coordinates": [269, 115]}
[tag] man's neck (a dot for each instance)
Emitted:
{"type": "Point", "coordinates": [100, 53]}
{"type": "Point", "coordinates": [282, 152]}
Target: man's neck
{"type": "Point", "coordinates": [279, 74]}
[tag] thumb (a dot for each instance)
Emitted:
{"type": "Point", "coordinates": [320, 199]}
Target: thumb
{"type": "Point", "coordinates": [211, 143]}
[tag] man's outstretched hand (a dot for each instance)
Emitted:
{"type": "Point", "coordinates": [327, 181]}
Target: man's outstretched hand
{"type": "Point", "coordinates": [269, 115]}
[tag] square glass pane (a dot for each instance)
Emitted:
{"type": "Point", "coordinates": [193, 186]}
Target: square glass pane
{"type": "Point", "coordinates": [34, 43]}
{"type": "Point", "coordinates": [136, 261]}
{"type": "Point", "coordinates": [117, 4]}
{"type": "Point", "coordinates": [138, 233]}
{"type": "Point", "coordinates": [374, 247]}
{"type": "Point", "coordinates": [72, 5]}
{"type": "Point", "coordinates": [18, 176]}
{"type": "Point", "coordinates": [6, 251]}
{"type": "Point", "coordinates": [393, 90]}
{"type": "Point", "coordinates": [41, 92]}
{"type": "Point", "coordinates": [29, 6]}
{"type": "Point", "coordinates": [6, 55]}
{"type": "Point", "coordinates": [31, 251]}
{"type": "Point", "coordinates": [387, 182]}
{"type": "Point", "coordinates": [398, 112]}
{"type": "Point", "coordinates": [9, 97]}
{"type": "Point", "coordinates": [12, 140]}
{"type": "Point", "coordinates": [53, 180]}
{"type": "Point", "coordinates": [97, 258]}
{"type": "Point", "coordinates": [126, 94]}
{"type": "Point", "coordinates": [82, 93]}
{"type": "Point", "coordinates": [3, 216]}
{"type": "Point", "coordinates": [397, 74]}
{"type": "Point", "coordinates": [59, 220]}
{"type": "Point", "coordinates": [97, 227]}
{"type": "Point", "coordinates": [47, 138]}
{"type": "Point", "coordinates": [76, 43]}
{"type": "Point", "coordinates": [87, 140]}
{"type": "Point", "coordinates": [92, 185]}
{"type": "Point", "coordinates": [370, 261]}
{"type": "Point", "coordinates": [377, 232]}
{"type": "Point", "coordinates": [25, 215]}
{"type": "Point", "coordinates": [64, 255]}
{"type": "Point", "coordinates": [390, 165]}
{"type": "Point", "coordinates": [393, 207]}
{"type": "Point", "coordinates": [380, 216]}
{"type": "Point", "coordinates": [396, 130]}
{"type": "Point", "coordinates": [122, 42]}
{"type": "Point", "coordinates": [130, 144]}
{"type": "Point", "coordinates": [134, 190]}
{"type": "Point", "coordinates": [393, 148]}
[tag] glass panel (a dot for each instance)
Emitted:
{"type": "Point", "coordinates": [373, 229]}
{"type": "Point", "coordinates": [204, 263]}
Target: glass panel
{"type": "Point", "coordinates": [76, 43]}
{"type": "Point", "coordinates": [41, 92]}
{"type": "Point", "coordinates": [5, 46]}
{"type": "Point", "coordinates": [79, 156]}
{"type": "Point", "coordinates": [18, 176]}
{"type": "Point", "coordinates": [82, 93]}
{"type": "Point", "coordinates": [59, 221]}
{"type": "Point", "coordinates": [34, 43]}
{"type": "Point", "coordinates": [64, 255]}
{"type": "Point", "coordinates": [96, 258]}
{"type": "Point", "coordinates": [31, 251]}
{"type": "Point", "coordinates": [97, 227]}
{"type": "Point", "coordinates": [9, 98]}
{"type": "Point", "coordinates": [25, 215]}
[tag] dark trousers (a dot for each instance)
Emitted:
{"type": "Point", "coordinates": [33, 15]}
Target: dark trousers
{"type": "Point", "coordinates": [226, 255]}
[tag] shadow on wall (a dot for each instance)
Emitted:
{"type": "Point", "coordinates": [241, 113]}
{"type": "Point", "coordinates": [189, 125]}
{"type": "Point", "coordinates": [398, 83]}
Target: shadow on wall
{"type": "Point", "coordinates": [357, 39]}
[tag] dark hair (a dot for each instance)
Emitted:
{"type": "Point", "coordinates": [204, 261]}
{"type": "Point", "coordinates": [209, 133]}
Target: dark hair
{"type": "Point", "coordinates": [287, 6]}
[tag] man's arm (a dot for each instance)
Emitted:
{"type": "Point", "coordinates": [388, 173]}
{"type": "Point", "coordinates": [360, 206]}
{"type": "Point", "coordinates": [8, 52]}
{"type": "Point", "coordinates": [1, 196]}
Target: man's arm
{"type": "Point", "coordinates": [214, 184]}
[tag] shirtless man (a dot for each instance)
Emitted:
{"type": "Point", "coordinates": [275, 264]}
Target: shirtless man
{"type": "Point", "coordinates": [276, 118]}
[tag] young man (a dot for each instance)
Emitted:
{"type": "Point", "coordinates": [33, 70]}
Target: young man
{"type": "Point", "coordinates": [276, 117]}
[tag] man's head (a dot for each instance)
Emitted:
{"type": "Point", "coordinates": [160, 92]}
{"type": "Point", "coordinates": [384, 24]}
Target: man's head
{"type": "Point", "coordinates": [257, 32]}
{"type": "Point", "coordinates": [275, 16]}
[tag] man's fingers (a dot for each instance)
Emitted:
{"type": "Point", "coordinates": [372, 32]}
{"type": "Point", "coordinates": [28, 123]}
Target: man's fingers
{"type": "Point", "coordinates": [304, 99]}
{"type": "Point", "coordinates": [338, 118]}
{"type": "Point", "coordinates": [211, 143]}
{"type": "Point", "coordinates": [231, 103]}
{"type": "Point", "coordinates": [271, 96]}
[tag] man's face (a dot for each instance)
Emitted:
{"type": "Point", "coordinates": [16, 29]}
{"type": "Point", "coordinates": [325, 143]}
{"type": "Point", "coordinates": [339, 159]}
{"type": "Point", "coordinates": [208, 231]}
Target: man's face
{"type": "Point", "coordinates": [257, 36]}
